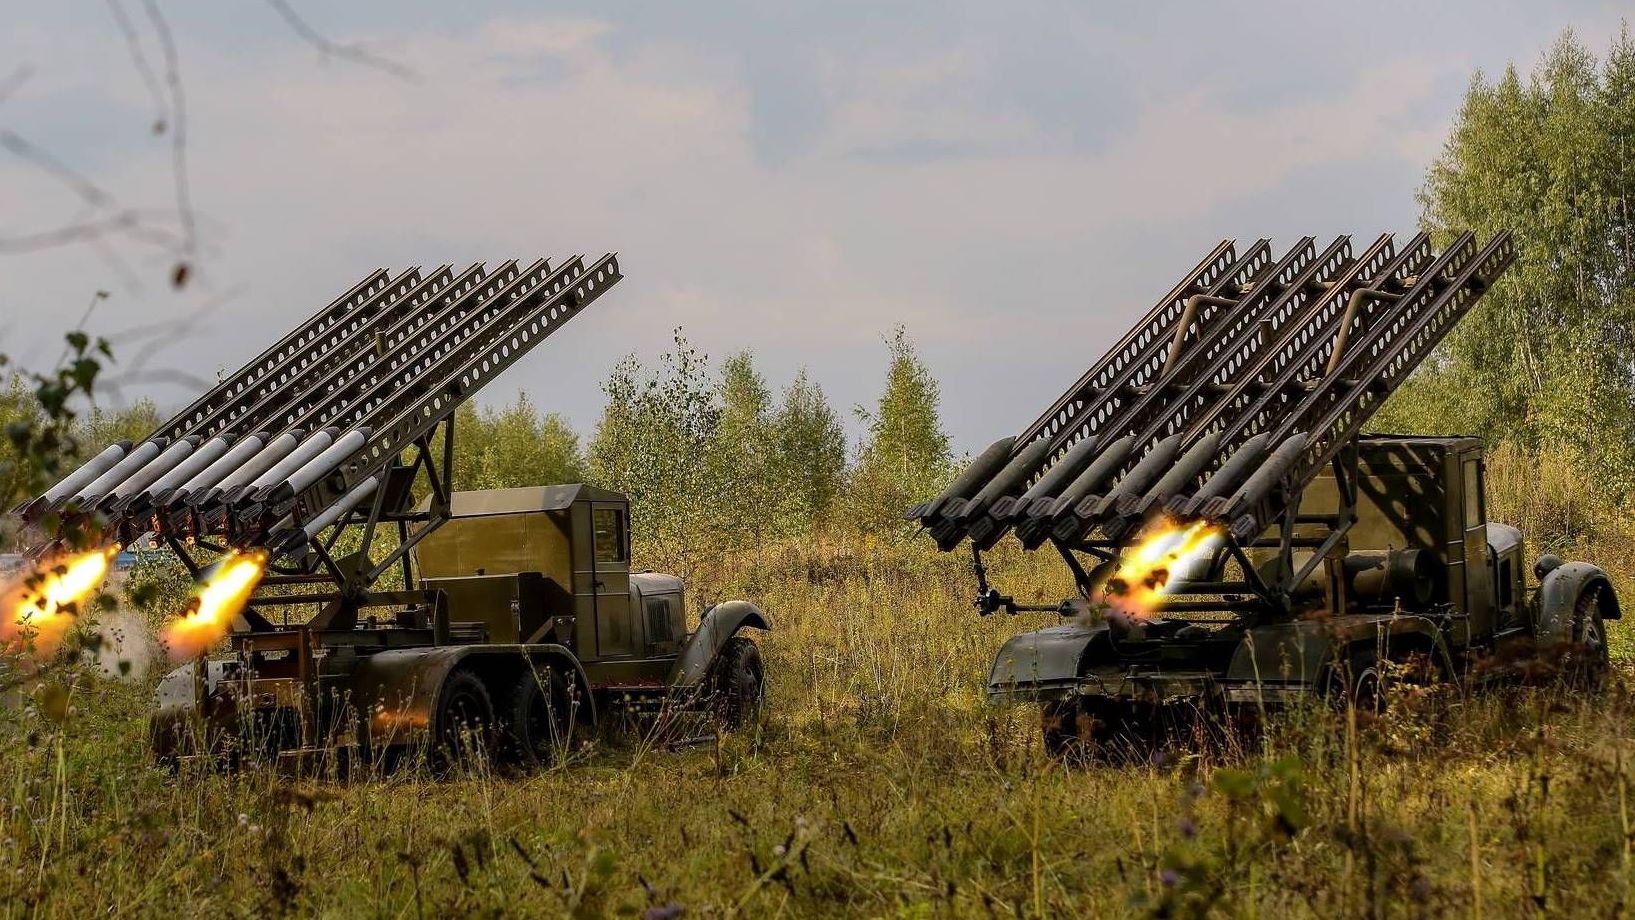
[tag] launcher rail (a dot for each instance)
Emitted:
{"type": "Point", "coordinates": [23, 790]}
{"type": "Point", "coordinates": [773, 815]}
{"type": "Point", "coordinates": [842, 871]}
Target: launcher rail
{"type": "Point", "coordinates": [1245, 382]}
{"type": "Point", "coordinates": [333, 432]}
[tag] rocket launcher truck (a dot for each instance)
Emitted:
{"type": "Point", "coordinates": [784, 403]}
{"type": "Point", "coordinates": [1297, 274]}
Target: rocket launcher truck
{"type": "Point", "coordinates": [1235, 536]}
{"type": "Point", "coordinates": [383, 610]}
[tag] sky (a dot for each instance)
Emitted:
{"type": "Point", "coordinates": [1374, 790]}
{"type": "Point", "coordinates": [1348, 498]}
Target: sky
{"type": "Point", "coordinates": [1013, 183]}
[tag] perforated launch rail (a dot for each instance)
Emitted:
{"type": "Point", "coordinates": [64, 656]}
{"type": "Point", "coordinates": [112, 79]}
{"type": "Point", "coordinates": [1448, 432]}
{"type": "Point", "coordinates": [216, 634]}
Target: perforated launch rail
{"type": "Point", "coordinates": [1239, 387]}
{"type": "Point", "coordinates": [335, 426]}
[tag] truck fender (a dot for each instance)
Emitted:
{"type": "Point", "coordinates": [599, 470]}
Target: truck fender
{"type": "Point", "coordinates": [399, 689]}
{"type": "Point", "coordinates": [1558, 593]}
{"type": "Point", "coordinates": [1041, 665]}
{"type": "Point", "coordinates": [720, 623]}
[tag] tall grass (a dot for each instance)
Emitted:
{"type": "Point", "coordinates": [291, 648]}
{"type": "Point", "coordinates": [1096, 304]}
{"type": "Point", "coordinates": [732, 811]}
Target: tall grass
{"type": "Point", "coordinates": [879, 783]}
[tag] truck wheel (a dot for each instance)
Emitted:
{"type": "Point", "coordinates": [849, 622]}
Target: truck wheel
{"type": "Point", "coordinates": [465, 721]}
{"type": "Point", "coordinates": [1079, 729]}
{"type": "Point", "coordinates": [739, 682]}
{"type": "Point", "coordinates": [1066, 729]}
{"type": "Point", "coordinates": [541, 716]}
{"type": "Point", "coordinates": [1360, 683]}
{"type": "Point", "coordinates": [1588, 661]}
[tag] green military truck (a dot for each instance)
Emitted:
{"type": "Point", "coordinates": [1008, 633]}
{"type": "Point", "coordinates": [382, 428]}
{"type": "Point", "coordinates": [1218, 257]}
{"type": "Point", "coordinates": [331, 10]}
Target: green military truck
{"type": "Point", "coordinates": [1424, 587]}
{"type": "Point", "coordinates": [534, 628]}
{"type": "Point", "coordinates": [327, 465]}
{"type": "Point", "coordinates": [1234, 537]}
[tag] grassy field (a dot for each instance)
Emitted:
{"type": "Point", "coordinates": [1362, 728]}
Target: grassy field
{"type": "Point", "coordinates": [878, 784]}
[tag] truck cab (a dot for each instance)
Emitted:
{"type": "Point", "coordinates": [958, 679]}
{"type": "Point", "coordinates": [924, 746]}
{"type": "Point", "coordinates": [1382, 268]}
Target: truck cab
{"type": "Point", "coordinates": [551, 564]}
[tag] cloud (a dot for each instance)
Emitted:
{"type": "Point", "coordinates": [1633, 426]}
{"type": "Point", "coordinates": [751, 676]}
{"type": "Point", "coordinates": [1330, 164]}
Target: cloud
{"type": "Point", "coordinates": [930, 185]}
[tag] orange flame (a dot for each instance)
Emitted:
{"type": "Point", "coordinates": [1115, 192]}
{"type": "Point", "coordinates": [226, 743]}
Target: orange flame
{"type": "Point", "coordinates": [1143, 575]}
{"type": "Point", "coordinates": [217, 599]}
{"type": "Point", "coordinates": [37, 610]}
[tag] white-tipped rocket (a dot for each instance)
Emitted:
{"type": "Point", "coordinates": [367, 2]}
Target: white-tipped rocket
{"type": "Point", "coordinates": [317, 468]}
{"type": "Point", "coordinates": [207, 453]}
{"type": "Point", "coordinates": [138, 457]}
{"type": "Point", "coordinates": [264, 459]}
{"type": "Point", "coordinates": [172, 457]}
{"type": "Point", "coordinates": [316, 443]}
{"type": "Point", "coordinates": [78, 479]}
{"type": "Point", "coordinates": [288, 538]}
{"type": "Point", "coordinates": [235, 457]}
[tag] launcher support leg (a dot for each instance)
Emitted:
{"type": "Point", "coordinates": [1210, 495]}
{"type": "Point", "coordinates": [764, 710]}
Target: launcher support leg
{"type": "Point", "coordinates": [1189, 314]}
{"type": "Point", "coordinates": [988, 600]}
{"type": "Point", "coordinates": [1081, 578]}
{"type": "Point", "coordinates": [1352, 307]}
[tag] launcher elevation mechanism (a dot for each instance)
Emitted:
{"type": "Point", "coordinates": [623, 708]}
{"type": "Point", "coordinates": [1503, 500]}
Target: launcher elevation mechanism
{"type": "Point", "coordinates": [1251, 378]}
{"type": "Point", "coordinates": [335, 430]}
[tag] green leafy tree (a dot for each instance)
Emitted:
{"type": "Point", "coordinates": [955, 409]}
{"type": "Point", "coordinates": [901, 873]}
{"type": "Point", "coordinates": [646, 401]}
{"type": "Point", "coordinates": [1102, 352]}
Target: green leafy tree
{"type": "Point", "coordinates": [1543, 361]}
{"type": "Point", "coordinates": [811, 452]}
{"type": "Point", "coordinates": [100, 427]}
{"type": "Point", "coordinates": [653, 443]}
{"type": "Point", "coordinates": [43, 425]}
{"type": "Point", "coordinates": [744, 454]}
{"type": "Point", "coordinates": [906, 455]}
{"type": "Point", "coordinates": [514, 446]}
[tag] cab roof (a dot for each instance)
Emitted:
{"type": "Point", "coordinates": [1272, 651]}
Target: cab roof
{"type": "Point", "coordinates": [1452, 440]}
{"type": "Point", "coordinates": [489, 502]}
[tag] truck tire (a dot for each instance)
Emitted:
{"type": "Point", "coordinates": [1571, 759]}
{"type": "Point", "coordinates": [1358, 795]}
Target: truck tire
{"type": "Point", "coordinates": [1361, 682]}
{"type": "Point", "coordinates": [1587, 662]}
{"type": "Point", "coordinates": [1082, 729]}
{"type": "Point", "coordinates": [738, 683]}
{"type": "Point", "coordinates": [1065, 725]}
{"type": "Point", "coordinates": [540, 716]}
{"type": "Point", "coordinates": [465, 722]}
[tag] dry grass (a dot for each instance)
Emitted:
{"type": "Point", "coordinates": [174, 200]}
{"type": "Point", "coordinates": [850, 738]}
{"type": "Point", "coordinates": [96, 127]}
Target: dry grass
{"type": "Point", "coordinates": [879, 784]}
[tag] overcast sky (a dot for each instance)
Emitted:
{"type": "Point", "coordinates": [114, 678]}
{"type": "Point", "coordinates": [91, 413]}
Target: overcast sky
{"type": "Point", "coordinates": [1014, 182]}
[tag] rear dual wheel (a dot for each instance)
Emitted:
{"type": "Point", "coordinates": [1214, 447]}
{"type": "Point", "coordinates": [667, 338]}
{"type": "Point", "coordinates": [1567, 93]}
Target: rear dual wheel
{"type": "Point", "coordinates": [465, 722]}
{"type": "Point", "coordinates": [541, 716]}
{"type": "Point", "coordinates": [538, 711]}
{"type": "Point", "coordinates": [1085, 728]}
{"type": "Point", "coordinates": [1361, 683]}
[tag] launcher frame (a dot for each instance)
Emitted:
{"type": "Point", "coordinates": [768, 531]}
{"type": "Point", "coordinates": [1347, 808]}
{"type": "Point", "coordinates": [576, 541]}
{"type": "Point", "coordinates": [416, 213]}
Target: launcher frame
{"type": "Point", "coordinates": [1245, 382]}
{"type": "Point", "coordinates": [431, 466]}
{"type": "Point", "coordinates": [330, 434]}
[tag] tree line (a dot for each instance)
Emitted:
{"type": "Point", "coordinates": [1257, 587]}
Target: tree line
{"type": "Point", "coordinates": [713, 459]}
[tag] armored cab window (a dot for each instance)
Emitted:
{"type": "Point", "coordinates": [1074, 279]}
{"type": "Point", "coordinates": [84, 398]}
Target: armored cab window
{"type": "Point", "coordinates": [1475, 514]}
{"type": "Point", "coordinates": [612, 541]}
